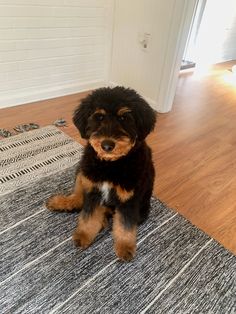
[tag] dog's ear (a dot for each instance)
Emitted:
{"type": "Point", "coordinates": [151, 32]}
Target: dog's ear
{"type": "Point", "coordinates": [81, 115]}
{"type": "Point", "coordinates": [145, 118]}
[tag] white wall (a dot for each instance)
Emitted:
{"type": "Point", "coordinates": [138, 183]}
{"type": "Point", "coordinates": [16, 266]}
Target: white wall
{"type": "Point", "coordinates": [153, 73]}
{"type": "Point", "coordinates": [50, 48]}
{"type": "Point", "coordinates": [217, 35]}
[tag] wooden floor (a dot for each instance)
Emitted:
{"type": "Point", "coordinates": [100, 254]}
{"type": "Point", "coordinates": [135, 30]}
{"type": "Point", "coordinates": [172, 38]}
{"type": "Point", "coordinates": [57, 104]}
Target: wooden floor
{"type": "Point", "coordinates": [194, 148]}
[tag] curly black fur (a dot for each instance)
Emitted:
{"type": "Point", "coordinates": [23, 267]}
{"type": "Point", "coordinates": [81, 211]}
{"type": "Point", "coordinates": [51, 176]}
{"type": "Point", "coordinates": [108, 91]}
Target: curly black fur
{"type": "Point", "coordinates": [133, 171]}
{"type": "Point", "coordinates": [116, 174]}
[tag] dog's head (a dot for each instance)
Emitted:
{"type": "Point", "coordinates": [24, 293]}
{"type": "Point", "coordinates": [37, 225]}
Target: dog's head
{"type": "Point", "coordinates": [113, 120]}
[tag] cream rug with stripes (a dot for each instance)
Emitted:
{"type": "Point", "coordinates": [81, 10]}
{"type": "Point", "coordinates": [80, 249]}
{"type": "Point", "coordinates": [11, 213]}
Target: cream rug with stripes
{"type": "Point", "coordinates": [178, 268]}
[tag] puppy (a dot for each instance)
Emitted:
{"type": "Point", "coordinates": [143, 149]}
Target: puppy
{"type": "Point", "coordinates": [116, 174]}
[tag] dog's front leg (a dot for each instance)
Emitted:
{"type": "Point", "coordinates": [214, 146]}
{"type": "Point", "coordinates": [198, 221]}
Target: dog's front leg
{"type": "Point", "coordinates": [89, 225]}
{"type": "Point", "coordinates": [124, 235]}
{"type": "Point", "coordinates": [67, 203]}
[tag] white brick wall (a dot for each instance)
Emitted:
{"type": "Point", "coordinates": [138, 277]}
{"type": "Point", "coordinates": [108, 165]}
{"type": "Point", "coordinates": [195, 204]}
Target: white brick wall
{"type": "Point", "coordinates": [50, 48]}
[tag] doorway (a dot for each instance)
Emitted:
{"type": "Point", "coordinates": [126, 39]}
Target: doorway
{"type": "Point", "coordinates": [212, 34]}
{"type": "Point", "coordinates": [189, 56]}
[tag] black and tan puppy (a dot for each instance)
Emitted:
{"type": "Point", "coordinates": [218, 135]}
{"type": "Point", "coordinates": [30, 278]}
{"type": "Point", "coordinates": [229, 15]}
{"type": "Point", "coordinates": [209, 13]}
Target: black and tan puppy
{"type": "Point", "coordinates": [116, 173]}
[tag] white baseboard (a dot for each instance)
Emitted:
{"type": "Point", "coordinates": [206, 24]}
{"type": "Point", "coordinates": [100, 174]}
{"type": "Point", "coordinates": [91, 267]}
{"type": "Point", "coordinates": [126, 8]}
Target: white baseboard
{"type": "Point", "coordinates": [23, 98]}
{"type": "Point", "coordinates": [151, 102]}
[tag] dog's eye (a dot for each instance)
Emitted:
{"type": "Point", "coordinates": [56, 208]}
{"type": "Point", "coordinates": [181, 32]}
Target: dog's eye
{"type": "Point", "coordinates": [122, 118]}
{"type": "Point", "coordinates": [99, 116]}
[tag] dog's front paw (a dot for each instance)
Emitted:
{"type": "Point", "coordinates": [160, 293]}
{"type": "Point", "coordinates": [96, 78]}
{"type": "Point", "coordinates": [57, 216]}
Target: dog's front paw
{"type": "Point", "coordinates": [61, 203]}
{"type": "Point", "coordinates": [81, 239]}
{"type": "Point", "coordinates": [125, 252]}
{"type": "Point", "coordinates": [56, 203]}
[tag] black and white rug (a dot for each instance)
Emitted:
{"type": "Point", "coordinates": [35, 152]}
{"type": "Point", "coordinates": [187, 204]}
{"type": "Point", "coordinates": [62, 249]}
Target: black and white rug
{"type": "Point", "coordinates": [178, 268]}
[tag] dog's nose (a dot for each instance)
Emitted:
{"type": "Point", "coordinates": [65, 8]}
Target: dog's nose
{"type": "Point", "coordinates": [107, 145]}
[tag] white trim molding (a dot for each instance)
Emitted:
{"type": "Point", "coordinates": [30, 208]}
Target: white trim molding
{"type": "Point", "coordinates": [23, 98]}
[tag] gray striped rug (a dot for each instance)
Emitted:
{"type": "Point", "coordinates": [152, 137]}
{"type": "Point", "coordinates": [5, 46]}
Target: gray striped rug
{"type": "Point", "coordinates": [178, 268]}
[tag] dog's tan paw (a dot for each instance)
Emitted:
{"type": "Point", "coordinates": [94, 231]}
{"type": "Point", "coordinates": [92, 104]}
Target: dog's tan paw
{"type": "Point", "coordinates": [125, 252]}
{"type": "Point", "coordinates": [60, 203]}
{"type": "Point", "coordinates": [81, 239]}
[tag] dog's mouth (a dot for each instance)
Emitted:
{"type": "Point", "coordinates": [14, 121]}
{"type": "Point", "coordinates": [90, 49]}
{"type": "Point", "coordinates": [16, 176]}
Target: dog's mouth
{"type": "Point", "coordinates": [111, 149]}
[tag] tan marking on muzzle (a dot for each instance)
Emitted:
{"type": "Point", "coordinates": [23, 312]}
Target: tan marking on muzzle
{"type": "Point", "coordinates": [122, 147]}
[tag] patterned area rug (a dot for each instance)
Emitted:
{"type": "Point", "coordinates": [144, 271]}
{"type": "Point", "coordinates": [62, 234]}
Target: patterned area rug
{"type": "Point", "coordinates": [178, 268]}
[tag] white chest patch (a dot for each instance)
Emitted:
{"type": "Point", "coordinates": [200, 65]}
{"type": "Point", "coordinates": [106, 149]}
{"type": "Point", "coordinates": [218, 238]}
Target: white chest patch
{"type": "Point", "coordinates": [105, 190]}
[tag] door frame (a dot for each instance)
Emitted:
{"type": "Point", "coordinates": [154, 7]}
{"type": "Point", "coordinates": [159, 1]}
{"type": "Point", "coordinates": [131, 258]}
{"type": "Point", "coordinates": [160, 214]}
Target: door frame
{"type": "Point", "coordinates": [178, 34]}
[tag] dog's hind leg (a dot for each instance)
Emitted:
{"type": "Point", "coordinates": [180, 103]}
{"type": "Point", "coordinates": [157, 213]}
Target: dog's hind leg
{"type": "Point", "coordinates": [68, 203]}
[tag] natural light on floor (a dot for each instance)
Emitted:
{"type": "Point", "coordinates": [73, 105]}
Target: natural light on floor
{"type": "Point", "coordinates": [230, 77]}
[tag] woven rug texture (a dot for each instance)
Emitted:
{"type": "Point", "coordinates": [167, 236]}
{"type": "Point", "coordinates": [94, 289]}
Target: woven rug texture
{"type": "Point", "coordinates": [178, 268]}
